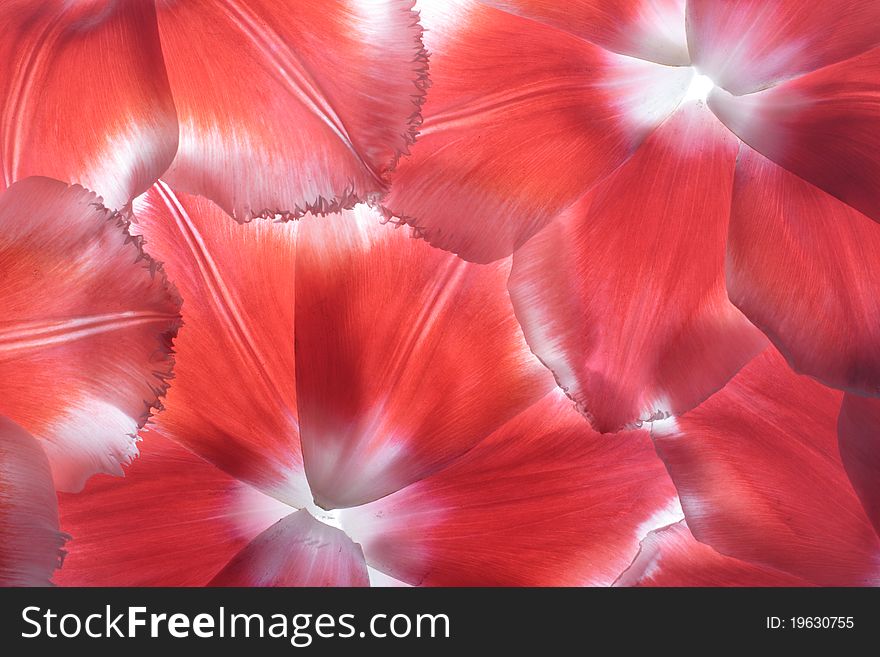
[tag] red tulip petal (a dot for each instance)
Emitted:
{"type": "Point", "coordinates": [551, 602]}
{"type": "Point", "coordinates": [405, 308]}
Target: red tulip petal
{"type": "Point", "coordinates": [406, 357]}
{"type": "Point", "coordinates": [233, 401]}
{"type": "Point", "coordinates": [760, 477]}
{"type": "Point", "coordinates": [85, 337]}
{"type": "Point", "coordinates": [84, 96]}
{"type": "Point", "coordinates": [30, 543]}
{"type": "Point", "coordinates": [543, 501]}
{"type": "Point", "coordinates": [806, 269]}
{"type": "Point", "coordinates": [297, 551]}
{"type": "Point", "coordinates": [624, 298]}
{"type": "Point", "coordinates": [747, 45]}
{"type": "Point", "coordinates": [174, 520]}
{"type": "Point", "coordinates": [859, 441]}
{"type": "Point", "coordinates": [824, 127]}
{"type": "Point", "coordinates": [288, 107]}
{"type": "Point", "coordinates": [513, 135]}
{"type": "Point", "coordinates": [649, 29]}
{"type": "Point", "coordinates": [671, 556]}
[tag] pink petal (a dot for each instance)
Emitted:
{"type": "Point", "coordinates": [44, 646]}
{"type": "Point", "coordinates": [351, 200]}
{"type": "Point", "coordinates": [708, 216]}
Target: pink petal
{"type": "Point", "coordinates": [824, 127]}
{"type": "Point", "coordinates": [291, 106]}
{"type": "Point", "coordinates": [297, 551]}
{"type": "Point", "coordinates": [542, 501]}
{"type": "Point", "coordinates": [649, 29]}
{"type": "Point", "coordinates": [623, 297]}
{"type": "Point", "coordinates": [760, 477]}
{"type": "Point", "coordinates": [747, 45]}
{"type": "Point", "coordinates": [406, 357]}
{"type": "Point", "coordinates": [174, 520]}
{"type": "Point", "coordinates": [859, 441]}
{"type": "Point", "coordinates": [512, 135]}
{"type": "Point", "coordinates": [85, 337]}
{"type": "Point", "coordinates": [805, 268]}
{"type": "Point", "coordinates": [233, 401]}
{"type": "Point", "coordinates": [84, 96]}
{"type": "Point", "coordinates": [30, 543]}
{"type": "Point", "coordinates": [671, 556]}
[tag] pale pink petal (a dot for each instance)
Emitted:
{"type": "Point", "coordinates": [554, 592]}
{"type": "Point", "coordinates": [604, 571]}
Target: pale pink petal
{"type": "Point", "coordinates": [805, 268]}
{"type": "Point", "coordinates": [174, 520]}
{"type": "Point", "coordinates": [671, 556]}
{"type": "Point", "coordinates": [746, 45]}
{"type": "Point", "coordinates": [760, 477]}
{"type": "Point", "coordinates": [521, 120]}
{"type": "Point", "coordinates": [30, 542]}
{"type": "Point", "coordinates": [297, 551]}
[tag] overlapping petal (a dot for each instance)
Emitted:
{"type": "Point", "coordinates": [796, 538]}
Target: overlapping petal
{"type": "Point", "coordinates": [859, 441]}
{"type": "Point", "coordinates": [173, 520]}
{"type": "Point", "coordinates": [288, 107]}
{"type": "Point", "coordinates": [84, 96]}
{"type": "Point", "coordinates": [805, 268]}
{"type": "Point", "coordinates": [514, 134]}
{"type": "Point", "coordinates": [85, 337]}
{"type": "Point", "coordinates": [823, 126]}
{"type": "Point", "coordinates": [297, 551]}
{"type": "Point", "coordinates": [406, 357]}
{"type": "Point", "coordinates": [671, 556]}
{"type": "Point", "coordinates": [649, 29]}
{"type": "Point", "coordinates": [760, 477]}
{"type": "Point", "coordinates": [747, 45]}
{"type": "Point", "coordinates": [623, 297]}
{"type": "Point", "coordinates": [30, 541]}
{"type": "Point", "coordinates": [543, 501]}
{"type": "Point", "coordinates": [234, 395]}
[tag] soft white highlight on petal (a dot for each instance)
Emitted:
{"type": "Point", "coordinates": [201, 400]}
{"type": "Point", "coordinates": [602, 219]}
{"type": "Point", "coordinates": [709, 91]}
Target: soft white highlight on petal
{"type": "Point", "coordinates": [667, 515]}
{"type": "Point", "coordinates": [700, 88]}
{"type": "Point", "coordinates": [381, 580]}
{"type": "Point", "coordinates": [91, 437]}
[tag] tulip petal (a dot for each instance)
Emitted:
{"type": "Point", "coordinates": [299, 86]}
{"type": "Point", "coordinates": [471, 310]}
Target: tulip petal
{"type": "Point", "coordinates": [858, 431]}
{"type": "Point", "coordinates": [543, 501]}
{"type": "Point", "coordinates": [623, 297]}
{"type": "Point", "coordinates": [233, 401]}
{"type": "Point", "coordinates": [406, 357]}
{"type": "Point", "coordinates": [288, 107]}
{"type": "Point", "coordinates": [85, 337]}
{"type": "Point", "coordinates": [748, 45]}
{"type": "Point", "coordinates": [671, 556]}
{"type": "Point", "coordinates": [297, 551]}
{"type": "Point", "coordinates": [30, 542]}
{"type": "Point", "coordinates": [84, 96]}
{"type": "Point", "coordinates": [823, 127]}
{"type": "Point", "coordinates": [648, 29]}
{"type": "Point", "coordinates": [805, 268]}
{"type": "Point", "coordinates": [174, 520]}
{"type": "Point", "coordinates": [760, 477]}
{"type": "Point", "coordinates": [513, 135]}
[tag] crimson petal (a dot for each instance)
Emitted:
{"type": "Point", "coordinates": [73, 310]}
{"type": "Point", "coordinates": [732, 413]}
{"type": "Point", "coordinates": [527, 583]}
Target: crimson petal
{"type": "Point", "coordinates": [760, 477]}
{"type": "Point", "coordinates": [623, 298]}
{"type": "Point", "coordinates": [84, 96]}
{"type": "Point", "coordinates": [85, 337]}
{"type": "Point", "coordinates": [30, 542]}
